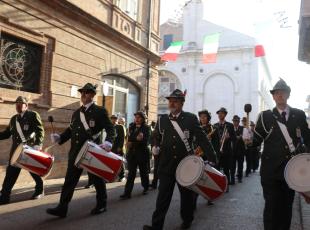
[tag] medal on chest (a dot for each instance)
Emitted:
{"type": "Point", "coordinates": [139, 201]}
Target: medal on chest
{"type": "Point", "coordinates": [92, 123]}
{"type": "Point", "coordinates": [26, 127]}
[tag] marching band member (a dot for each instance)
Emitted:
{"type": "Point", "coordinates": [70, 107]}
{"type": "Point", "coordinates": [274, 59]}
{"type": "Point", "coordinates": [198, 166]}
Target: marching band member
{"type": "Point", "coordinates": [137, 154]}
{"type": "Point", "coordinates": [118, 144]}
{"type": "Point", "coordinates": [238, 151]}
{"type": "Point", "coordinates": [173, 149]}
{"type": "Point", "coordinates": [278, 130]}
{"type": "Point", "coordinates": [247, 137]}
{"type": "Point", "coordinates": [225, 132]}
{"type": "Point", "coordinates": [24, 127]}
{"type": "Point", "coordinates": [86, 124]}
{"type": "Point", "coordinates": [255, 151]}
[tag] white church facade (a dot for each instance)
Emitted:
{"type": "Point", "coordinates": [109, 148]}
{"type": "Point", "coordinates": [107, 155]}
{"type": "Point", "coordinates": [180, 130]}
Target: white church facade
{"type": "Point", "coordinates": [237, 77]}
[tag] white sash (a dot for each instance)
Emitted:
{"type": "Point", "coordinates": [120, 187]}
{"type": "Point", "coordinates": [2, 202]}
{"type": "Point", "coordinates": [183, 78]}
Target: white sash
{"type": "Point", "coordinates": [86, 127]}
{"type": "Point", "coordinates": [20, 132]}
{"type": "Point", "coordinates": [182, 135]}
{"type": "Point", "coordinates": [287, 136]}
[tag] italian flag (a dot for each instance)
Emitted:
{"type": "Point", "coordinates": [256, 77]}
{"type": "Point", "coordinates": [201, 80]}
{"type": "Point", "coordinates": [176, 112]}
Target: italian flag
{"type": "Point", "coordinates": [210, 47]}
{"type": "Point", "coordinates": [173, 51]}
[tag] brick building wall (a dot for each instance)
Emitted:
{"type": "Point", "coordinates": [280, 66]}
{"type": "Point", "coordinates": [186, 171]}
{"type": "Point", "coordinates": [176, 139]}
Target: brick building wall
{"type": "Point", "coordinates": [82, 41]}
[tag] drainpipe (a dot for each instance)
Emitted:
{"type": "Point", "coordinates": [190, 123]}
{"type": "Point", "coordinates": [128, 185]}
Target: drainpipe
{"type": "Point", "coordinates": [148, 69]}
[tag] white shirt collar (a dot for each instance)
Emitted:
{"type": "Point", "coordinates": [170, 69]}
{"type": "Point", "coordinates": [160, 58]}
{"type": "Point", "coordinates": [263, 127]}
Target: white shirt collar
{"type": "Point", "coordinates": [287, 110]}
{"type": "Point", "coordinates": [88, 105]}
{"type": "Point", "coordinates": [176, 115]}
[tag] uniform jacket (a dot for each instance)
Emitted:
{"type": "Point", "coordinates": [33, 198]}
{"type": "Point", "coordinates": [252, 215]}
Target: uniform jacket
{"type": "Point", "coordinates": [276, 152]}
{"type": "Point", "coordinates": [119, 139]}
{"type": "Point", "coordinates": [29, 123]}
{"type": "Point", "coordinates": [97, 119]}
{"type": "Point", "coordinates": [172, 148]}
{"type": "Point", "coordinates": [238, 145]}
{"type": "Point", "coordinates": [228, 144]}
{"type": "Point", "coordinates": [138, 148]}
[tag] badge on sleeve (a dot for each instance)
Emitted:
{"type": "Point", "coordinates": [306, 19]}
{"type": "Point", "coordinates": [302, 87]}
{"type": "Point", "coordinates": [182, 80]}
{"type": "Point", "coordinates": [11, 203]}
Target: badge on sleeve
{"type": "Point", "coordinates": [186, 133]}
{"type": "Point", "coordinates": [26, 127]}
{"type": "Point", "coordinates": [92, 123]}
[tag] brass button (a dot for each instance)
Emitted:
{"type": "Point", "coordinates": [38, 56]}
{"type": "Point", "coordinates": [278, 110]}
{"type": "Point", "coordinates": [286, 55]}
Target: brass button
{"type": "Point", "coordinates": [175, 157]}
{"type": "Point", "coordinates": [77, 134]}
{"type": "Point", "coordinates": [77, 142]}
{"type": "Point", "coordinates": [173, 147]}
{"type": "Point", "coordinates": [286, 146]}
{"type": "Point", "coordinates": [173, 136]}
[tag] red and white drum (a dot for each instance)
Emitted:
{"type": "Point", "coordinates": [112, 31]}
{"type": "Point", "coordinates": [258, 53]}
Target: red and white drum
{"type": "Point", "coordinates": [32, 160]}
{"type": "Point", "coordinates": [203, 179]}
{"type": "Point", "coordinates": [97, 161]}
{"type": "Point", "coordinates": [297, 174]}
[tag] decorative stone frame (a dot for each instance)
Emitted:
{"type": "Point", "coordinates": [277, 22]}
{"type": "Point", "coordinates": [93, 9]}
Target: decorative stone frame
{"type": "Point", "coordinates": [43, 98]}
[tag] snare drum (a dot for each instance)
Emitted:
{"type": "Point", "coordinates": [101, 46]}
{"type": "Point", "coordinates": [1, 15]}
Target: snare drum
{"type": "Point", "coordinates": [297, 173]}
{"type": "Point", "coordinates": [203, 179]}
{"type": "Point", "coordinates": [32, 160]}
{"type": "Point", "coordinates": [97, 161]}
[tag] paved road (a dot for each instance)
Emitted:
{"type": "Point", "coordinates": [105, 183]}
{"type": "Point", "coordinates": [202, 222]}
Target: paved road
{"type": "Point", "coordinates": [241, 209]}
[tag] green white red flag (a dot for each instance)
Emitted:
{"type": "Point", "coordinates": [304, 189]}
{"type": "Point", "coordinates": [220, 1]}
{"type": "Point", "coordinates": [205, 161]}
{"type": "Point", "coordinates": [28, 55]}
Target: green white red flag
{"type": "Point", "coordinates": [171, 54]}
{"type": "Point", "coordinates": [210, 48]}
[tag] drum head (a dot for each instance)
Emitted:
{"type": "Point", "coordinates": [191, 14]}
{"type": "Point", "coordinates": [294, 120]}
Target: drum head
{"type": "Point", "coordinates": [189, 170]}
{"type": "Point", "coordinates": [297, 173]}
{"type": "Point", "coordinates": [81, 154]}
{"type": "Point", "coordinates": [16, 154]}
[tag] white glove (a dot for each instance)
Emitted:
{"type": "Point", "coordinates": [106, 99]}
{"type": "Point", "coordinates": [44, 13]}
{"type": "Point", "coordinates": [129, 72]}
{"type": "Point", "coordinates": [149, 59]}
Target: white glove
{"type": "Point", "coordinates": [37, 147]}
{"type": "Point", "coordinates": [107, 146]}
{"type": "Point", "coordinates": [155, 150]}
{"type": "Point", "coordinates": [55, 138]}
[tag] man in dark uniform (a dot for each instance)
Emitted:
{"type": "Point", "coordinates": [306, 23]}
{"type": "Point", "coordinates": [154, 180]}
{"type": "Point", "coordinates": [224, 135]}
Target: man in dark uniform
{"type": "Point", "coordinates": [95, 120]}
{"type": "Point", "coordinates": [137, 154]}
{"type": "Point", "coordinates": [276, 153]}
{"type": "Point", "coordinates": [238, 151]}
{"type": "Point", "coordinates": [118, 144]}
{"type": "Point", "coordinates": [32, 133]}
{"type": "Point", "coordinates": [224, 149]}
{"type": "Point", "coordinates": [172, 151]}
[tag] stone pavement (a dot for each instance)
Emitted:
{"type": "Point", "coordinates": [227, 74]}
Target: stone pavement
{"type": "Point", "coordinates": [305, 213]}
{"type": "Point", "coordinates": [240, 209]}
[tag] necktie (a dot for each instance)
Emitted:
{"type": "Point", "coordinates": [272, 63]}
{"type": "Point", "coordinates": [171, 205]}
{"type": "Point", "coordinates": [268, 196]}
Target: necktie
{"type": "Point", "coordinates": [83, 109]}
{"type": "Point", "coordinates": [283, 114]}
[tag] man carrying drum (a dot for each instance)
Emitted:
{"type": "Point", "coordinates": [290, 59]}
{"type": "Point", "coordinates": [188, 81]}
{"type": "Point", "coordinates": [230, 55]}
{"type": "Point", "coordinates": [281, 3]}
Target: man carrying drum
{"type": "Point", "coordinates": [25, 127]}
{"type": "Point", "coordinates": [280, 130]}
{"type": "Point", "coordinates": [172, 150]}
{"type": "Point", "coordinates": [86, 124]}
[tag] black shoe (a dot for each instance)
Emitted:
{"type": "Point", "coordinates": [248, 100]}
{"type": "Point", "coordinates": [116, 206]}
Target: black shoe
{"type": "Point", "coordinates": [186, 225]}
{"type": "Point", "coordinates": [145, 191]}
{"type": "Point", "coordinates": [60, 211]}
{"type": "Point", "coordinates": [147, 227]}
{"type": "Point", "coordinates": [210, 203]}
{"type": "Point", "coordinates": [4, 200]}
{"type": "Point", "coordinates": [240, 180]}
{"type": "Point", "coordinates": [98, 210]}
{"type": "Point", "coordinates": [125, 196]}
{"type": "Point", "coordinates": [37, 195]}
{"type": "Point", "coordinates": [89, 186]}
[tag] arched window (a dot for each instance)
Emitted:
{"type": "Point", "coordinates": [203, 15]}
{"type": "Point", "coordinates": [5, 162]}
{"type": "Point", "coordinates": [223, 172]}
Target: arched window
{"type": "Point", "coordinates": [122, 97]}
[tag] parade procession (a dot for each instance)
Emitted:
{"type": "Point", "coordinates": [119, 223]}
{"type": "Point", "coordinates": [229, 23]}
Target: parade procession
{"type": "Point", "coordinates": [119, 114]}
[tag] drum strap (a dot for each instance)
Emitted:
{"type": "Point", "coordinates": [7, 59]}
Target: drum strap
{"type": "Point", "coordinates": [20, 132]}
{"type": "Point", "coordinates": [86, 127]}
{"type": "Point", "coordinates": [182, 135]}
{"type": "Point", "coordinates": [287, 136]}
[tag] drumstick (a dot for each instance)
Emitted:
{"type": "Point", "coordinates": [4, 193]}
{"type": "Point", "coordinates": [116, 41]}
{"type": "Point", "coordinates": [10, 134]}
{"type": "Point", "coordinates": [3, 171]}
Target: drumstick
{"type": "Point", "coordinates": [51, 120]}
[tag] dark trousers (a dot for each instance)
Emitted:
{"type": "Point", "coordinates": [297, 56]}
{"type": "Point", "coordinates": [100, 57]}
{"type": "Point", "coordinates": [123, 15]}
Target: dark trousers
{"type": "Point", "coordinates": [249, 160]}
{"type": "Point", "coordinates": [278, 205]}
{"type": "Point", "coordinates": [166, 188]}
{"type": "Point", "coordinates": [133, 164]}
{"type": "Point", "coordinates": [255, 161]}
{"type": "Point", "coordinates": [72, 178]}
{"type": "Point", "coordinates": [155, 177]}
{"type": "Point", "coordinates": [225, 164]}
{"type": "Point", "coordinates": [237, 165]}
{"type": "Point", "coordinates": [11, 176]}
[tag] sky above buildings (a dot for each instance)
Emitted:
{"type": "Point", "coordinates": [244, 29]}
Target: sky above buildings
{"type": "Point", "coordinates": [274, 23]}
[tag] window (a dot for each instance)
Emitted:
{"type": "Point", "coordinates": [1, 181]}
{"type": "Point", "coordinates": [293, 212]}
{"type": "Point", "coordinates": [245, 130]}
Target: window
{"type": "Point", "coordinates": [20, 64]}
{"type": "Point", "coordinates": [168, 38]}
{"type": "Point", "coordinates": [130, 7]}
